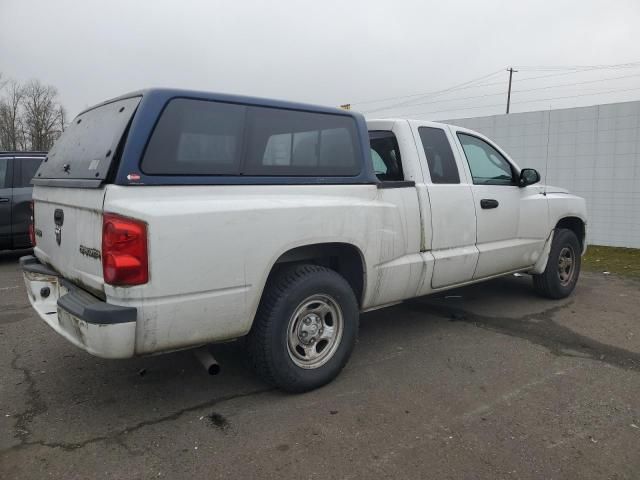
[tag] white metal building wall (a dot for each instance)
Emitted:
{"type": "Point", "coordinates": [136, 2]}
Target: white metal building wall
{"type": "Point", "coordinates": [592, 151]}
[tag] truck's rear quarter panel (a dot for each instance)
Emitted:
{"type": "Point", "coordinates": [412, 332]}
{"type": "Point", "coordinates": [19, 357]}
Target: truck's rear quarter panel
{"type": "Point", "coordinates": [212, 248]}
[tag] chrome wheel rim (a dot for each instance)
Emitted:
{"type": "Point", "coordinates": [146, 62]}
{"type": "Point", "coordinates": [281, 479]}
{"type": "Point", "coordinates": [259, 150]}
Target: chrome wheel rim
{"type": "Point", "coordinates": [566, 265]}
{"type": "Point", "coordinates": [314, 331]}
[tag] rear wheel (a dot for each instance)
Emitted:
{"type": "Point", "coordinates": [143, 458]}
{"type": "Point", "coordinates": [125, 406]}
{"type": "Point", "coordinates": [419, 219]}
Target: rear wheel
{"type": "Point", "coordinates": [305, 328]}
{"type": "Point", "coordinates": [563, 266]}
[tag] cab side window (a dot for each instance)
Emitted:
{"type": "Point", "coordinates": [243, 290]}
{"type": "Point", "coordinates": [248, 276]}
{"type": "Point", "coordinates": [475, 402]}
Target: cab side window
{"type": "Point", "coordinates": [385, 155]}
{"type": "Point", "coordinates": [487, 165]}
{"type": "Point", "coordinates": [437, 149]}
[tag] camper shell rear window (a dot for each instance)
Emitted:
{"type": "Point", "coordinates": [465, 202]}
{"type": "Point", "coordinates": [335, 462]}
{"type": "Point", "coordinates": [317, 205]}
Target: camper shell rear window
{"type": "Point", "coordinates": [87, 147]}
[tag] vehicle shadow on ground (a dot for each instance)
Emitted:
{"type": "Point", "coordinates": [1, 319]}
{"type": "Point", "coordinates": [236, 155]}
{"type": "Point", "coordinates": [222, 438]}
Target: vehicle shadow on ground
{"type": "Point", "coordinates": [380, 330]}
{"type": "Point", "coordinates": [151, 380]}
{"type": "Point", "coordinates": [12, 256]}
{"type": "Point", "coordinates": [390, 326]}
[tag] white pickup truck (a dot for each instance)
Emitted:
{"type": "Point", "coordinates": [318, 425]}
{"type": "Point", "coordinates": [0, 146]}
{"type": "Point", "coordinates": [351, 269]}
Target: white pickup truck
{"type": "Point", "coordinates": [169, 219]}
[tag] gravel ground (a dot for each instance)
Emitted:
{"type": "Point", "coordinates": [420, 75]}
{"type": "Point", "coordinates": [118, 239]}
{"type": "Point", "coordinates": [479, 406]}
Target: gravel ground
{"type": "Point", "coordinates": [488, 381]}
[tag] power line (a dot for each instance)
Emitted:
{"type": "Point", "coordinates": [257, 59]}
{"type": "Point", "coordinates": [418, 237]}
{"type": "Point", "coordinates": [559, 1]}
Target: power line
{"type": "Point", "coordinates": [525, 79]}
{"type": "Point", "coordinates": [581, 95]}
{"type": "Point", "coordinates": [529, 101]}
{"type": "Point", "coordinates": [563, 74]}
{"type": "Point", "coordinates": [434, 93]}
{"type": "Point", "coordinates": [575, 70]}
{"type": "Point", "coordinates": [447, 90]}
{"type": "Point", "coordinates": [520, 80]}
{"type": "Point", "coordinates": [572, 84]}
{"type": "Point", "coordinates": [578, 83]}
{"type": "Point", "coordinates": [578, 67]}
{"type": "Point", "coordinates": [419, 94]}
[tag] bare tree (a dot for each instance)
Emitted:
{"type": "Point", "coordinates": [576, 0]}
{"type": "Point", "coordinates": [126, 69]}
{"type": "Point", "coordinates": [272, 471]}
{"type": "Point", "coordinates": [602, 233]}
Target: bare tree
{"type": "Point", "coordinates": [31, 118]}
{"type": "Point", "coordinates": [62, 118]}
{"type": "Point", "coordinates": [11, 122]}
{"type": "Point", "coordinates": [41, 114]}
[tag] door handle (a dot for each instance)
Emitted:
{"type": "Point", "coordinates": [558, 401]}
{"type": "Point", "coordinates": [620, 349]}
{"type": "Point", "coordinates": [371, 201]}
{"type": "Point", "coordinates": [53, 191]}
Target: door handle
{"type": "Point", "coordinates": [489, 203]}
{"type": "Point", "coordinates": [4, 200]}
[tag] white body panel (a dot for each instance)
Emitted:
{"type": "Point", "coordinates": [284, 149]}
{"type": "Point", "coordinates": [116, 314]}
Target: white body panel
{"type": "Point", "coordinates": [453, 218]}
{"type": "Point", "coordinates": [82, 225]}
{"type": "Point", "coordinates": [511, 236]}
{"type": "Point", "coordinates": [211, 248]}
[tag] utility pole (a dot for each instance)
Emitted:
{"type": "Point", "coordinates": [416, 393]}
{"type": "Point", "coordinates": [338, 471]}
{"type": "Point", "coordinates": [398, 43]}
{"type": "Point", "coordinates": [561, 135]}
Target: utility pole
{"type": "Point", "coordinates": [510, 70]}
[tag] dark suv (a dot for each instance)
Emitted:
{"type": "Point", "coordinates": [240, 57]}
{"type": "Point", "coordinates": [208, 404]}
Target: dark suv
{"type": "Point", "coordinates": [16, 171]}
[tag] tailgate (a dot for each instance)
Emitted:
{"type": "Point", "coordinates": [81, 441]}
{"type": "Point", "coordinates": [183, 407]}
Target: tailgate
{"type": "Point", "coordinates": [69, 189]}
{"type": "Point", "coordinates": [68, 225]}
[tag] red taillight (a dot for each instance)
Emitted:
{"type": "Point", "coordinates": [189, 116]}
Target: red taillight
{"type": "Point", "coordinates": [124, 250]}
{"type": "Point", "coordinates": [32, 228]}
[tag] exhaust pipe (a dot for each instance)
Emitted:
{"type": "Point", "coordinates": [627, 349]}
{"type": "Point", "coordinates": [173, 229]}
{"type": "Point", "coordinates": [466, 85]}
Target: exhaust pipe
{"type": "Point", "coordinates": [209, 363]}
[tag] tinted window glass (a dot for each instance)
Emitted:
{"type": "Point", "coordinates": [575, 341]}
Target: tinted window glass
{"type": "Point", "coordinates": [4, 167]}
{"type": "Point", "coordinates": [195, 137]}
{"type": "Point", "coordinates": [294, 143]}
{"type": "Point", "coordinates": [88, 143]}
{"type": "Point", "coordinates": [385, 155]}
{"type": "Point", "coordinates": [24, 170]}
{"type": "Point", "coordinates": [487, 165]}
{"type": "Point", "coordinates": [437, 149]}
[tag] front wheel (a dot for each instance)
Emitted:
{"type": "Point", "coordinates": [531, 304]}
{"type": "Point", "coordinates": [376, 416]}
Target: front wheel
{"type": "Point", "coordinates": [563, 266]}
{"type": "Point", "coordinates": [305, 328]}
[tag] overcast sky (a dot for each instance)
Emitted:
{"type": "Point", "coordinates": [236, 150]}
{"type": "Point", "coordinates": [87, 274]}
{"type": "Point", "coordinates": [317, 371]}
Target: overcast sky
{"type": "Point", "coordinates": [328, 52]}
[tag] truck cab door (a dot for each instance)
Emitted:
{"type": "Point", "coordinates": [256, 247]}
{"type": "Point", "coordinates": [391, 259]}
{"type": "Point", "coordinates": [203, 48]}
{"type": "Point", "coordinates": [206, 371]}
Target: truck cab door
{"type": "Point", "coordinates": [6, 200]}
{"type": "Point", "coordinates": [511, 221]}
{"type": "Point", "coordinates": [451, 231]}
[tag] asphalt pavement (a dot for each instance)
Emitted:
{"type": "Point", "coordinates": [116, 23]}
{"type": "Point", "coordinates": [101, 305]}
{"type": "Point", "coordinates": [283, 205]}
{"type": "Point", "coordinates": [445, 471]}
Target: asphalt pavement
{"type": "Point", "coordinates": [488, 381]}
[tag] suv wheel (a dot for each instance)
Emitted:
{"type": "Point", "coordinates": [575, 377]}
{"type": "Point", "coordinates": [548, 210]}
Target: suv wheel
{"type": "Point", "coordinates": [563, 266]}
{"type": "Point", "coordinates": [305, 328]}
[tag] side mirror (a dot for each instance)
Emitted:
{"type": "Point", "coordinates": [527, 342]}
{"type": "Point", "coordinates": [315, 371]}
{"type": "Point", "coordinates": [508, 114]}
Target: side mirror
{"type": "Point", "coordinates": [528, 176]}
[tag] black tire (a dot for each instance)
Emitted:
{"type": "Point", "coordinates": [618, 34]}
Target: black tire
{"type": "Point", "coordinates": [552, 283]}
{"type": "Point", "coordinates": [269, 340]}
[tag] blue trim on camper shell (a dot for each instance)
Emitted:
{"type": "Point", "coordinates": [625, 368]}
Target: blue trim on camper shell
{"type": "Point", "coordinates": [154, 101]}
